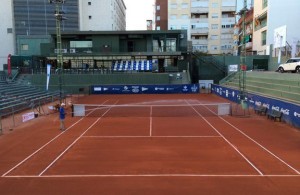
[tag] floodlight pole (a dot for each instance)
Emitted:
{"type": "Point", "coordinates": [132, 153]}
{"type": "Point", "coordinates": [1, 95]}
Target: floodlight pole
{"type": "Point", "coordinates": [59, 17]}
{"type": "Point", "coordinates": [243, 67]}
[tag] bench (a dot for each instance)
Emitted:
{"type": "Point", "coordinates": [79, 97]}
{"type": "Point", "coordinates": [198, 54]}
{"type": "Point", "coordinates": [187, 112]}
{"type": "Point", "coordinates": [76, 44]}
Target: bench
{"type": "Point", "coordinates": [261, 110]}
{"type": "Point", "coordinates": [274, 114]}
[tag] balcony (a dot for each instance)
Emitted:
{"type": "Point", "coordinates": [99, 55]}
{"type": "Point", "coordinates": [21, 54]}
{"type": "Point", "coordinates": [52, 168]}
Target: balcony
{"type": "Point", "coordinates": [228, 8]}
{"type": "Point", "coordinates": [199, 31]}
{"type": "Point", "coordinates": [199, 20]}
{"type": "Point", "coordinates": [199, 10]}
{"type": "Point", "coordinates": [199, 41]}
{"type": "Point", "coordinates": [230, 20]}
{"type": "Point", "coordinates": [227, 30]}
{"type": "Point", "coordinates": [249, 45]}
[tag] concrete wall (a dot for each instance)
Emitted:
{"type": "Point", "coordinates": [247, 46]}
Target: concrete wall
{"type": "Point", "coordinates": [73, 83]}
{"type": "Point", "coordinates": [7, 38]}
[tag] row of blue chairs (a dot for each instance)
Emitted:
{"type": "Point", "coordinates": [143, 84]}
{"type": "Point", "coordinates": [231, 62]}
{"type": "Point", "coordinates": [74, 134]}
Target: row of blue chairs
{"type": "Point", "coordinates": [145, 65]}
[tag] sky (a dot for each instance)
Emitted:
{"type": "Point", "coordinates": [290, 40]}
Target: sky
{"type": "Point", "coordinates": [137, 12]}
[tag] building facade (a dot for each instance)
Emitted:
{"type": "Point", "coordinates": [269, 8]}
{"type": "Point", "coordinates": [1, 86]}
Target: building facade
{"type": "Point", "coordinates": [161, 14]}
{"type": "Point", "coordinates": [210, 23]}
{"type": "Point", "coordinates": [244, 41]}
{"type": "Point", "coordinates": [6, 32]}
{"type": "Point", "coordinates": [268, 17]}
{"type": "Point", "coordinates": [28, 23]}
{"type": "Point", "coordinates": [102, 15]}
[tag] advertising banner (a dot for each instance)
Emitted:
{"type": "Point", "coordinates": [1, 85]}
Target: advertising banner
{"type": "Point", "coordinates": [144, 89]}
{"type": "Point", "coordinates": [27, 116]}
{"type": "Point", "coordinates": [48, 76]}
{"type": "Point", "coordinates": [290, 111]}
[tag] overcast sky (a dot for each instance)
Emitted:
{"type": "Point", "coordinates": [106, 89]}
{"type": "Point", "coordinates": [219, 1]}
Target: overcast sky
{"type": "Point", "coordinates": [137, 12]}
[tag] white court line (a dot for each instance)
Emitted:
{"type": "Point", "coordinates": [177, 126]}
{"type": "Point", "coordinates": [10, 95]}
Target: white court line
{"type": "Point", "coordinates": [147, 175]}
{"type": "Point", "coordinates": [147, 136]}
{"type": "Point", "coordinates": [261, 146]}
{"type": "Point", "coordinates": [235, 148]}
{"type": "Point", "coordinates": [56, 159]}
{"type": "Point", "coordinates": [28, 157]}
{"type": "Point", "coordinates": [151, 121]}
{"type": "Point", "coordinates": [31, 155]}
{"type": "Point", "coordinates": [268, 151]}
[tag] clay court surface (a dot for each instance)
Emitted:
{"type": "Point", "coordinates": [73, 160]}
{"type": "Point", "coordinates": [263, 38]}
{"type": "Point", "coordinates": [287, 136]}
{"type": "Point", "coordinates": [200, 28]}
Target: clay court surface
{"type": "Point", "coordinates": [168, 146]}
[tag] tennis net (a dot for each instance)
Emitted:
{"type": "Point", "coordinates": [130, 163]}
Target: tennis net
{"type": "Point", "coordinates": [140, 110]}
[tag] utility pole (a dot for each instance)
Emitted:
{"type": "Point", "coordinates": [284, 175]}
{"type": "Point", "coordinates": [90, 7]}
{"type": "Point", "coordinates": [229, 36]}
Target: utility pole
{"type": "Point", "coordinates": [59, 17]}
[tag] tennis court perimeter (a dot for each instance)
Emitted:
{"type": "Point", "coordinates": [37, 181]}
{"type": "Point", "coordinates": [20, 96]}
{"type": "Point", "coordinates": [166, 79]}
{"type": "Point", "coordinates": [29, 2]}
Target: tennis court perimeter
{"type": "Point", "coordinates": [151, 144]}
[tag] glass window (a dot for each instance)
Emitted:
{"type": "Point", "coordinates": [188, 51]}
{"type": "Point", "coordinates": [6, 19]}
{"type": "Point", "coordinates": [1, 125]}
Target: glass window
{"type": "Point", "coordinates": [264, 4]}
{"type": "Point", "coordinates": [158, 7]}
{"type": "Point", "coordinates": [264, 37]}
{"type": "Point", "coordinates": [81, 44]}
{"type": "Point", "coordinates": [199, 4]}
{"type": "Point", "coordinates": [89, 3]}
{"type": "Point", "coordinates": [157, 18]}
{"type": "Point", "coordinates": [214, 37]}
{"type": "Point", "coordinates": [214, 47]}
{"type": "Point", "coordinates": [173, 5]}
{"type": "Point", "coordinates": [214, 5]}
{"type": "Point", "coordinates": [184, 27]}
{"type": "Point", "coordinates": [173, 17]}
{"type": "Point", "coordinates": [24, 47]}
{"type": "Point", "coordinates": [170, 45]}
{"type": "Point", "coordinates": [9, 30]}
{"type": "Point", "coordinates": [214, 15]}
{"type": "Point", "coordinates": [184, 16]}
{"type": "Point", "coordinates": [214, 26]}
{"type": "Point", "coordinates": [184, 5]}
{"type": "Point", "coordinates": [158, 28]}
{"type": "Point", "coordinates": [173, 27]}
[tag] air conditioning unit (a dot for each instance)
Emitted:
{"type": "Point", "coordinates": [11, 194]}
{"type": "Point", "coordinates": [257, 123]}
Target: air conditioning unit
{"type": "Point", "coordinates": [181, 36]}
{"type": "Point", "coordinates": [181, 57]}
{"type": "Point", "coordinates": [72, 50]}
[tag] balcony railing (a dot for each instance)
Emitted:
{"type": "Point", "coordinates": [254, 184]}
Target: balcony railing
{"type": "Point", "coordinates": [228, 9]}
{"type": "Point", "coordinates": [201, 31]}
{"type": "Point", "coordinates": [199, 41]}
{"type": "Point", "coordinates": [228, 20]}
{"type": "Point", "coordinates": [199, 10]}
{"type": "Point", "coordinates": [199, 20]}
{"type": "Point", "coordinates": [227, 30]}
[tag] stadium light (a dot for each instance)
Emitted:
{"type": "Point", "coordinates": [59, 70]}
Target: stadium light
{"type": "Point", "coordinates": [59, 17]}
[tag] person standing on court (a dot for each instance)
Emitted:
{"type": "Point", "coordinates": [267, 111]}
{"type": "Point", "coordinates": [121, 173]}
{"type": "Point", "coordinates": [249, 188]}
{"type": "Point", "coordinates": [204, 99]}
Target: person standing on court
{"type": "Point", "coordinates": [62, 116]}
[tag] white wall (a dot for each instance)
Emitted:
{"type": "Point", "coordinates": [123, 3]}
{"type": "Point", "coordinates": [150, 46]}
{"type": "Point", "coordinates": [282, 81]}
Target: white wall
{"type": "Point", "coordinates": [6, 39]}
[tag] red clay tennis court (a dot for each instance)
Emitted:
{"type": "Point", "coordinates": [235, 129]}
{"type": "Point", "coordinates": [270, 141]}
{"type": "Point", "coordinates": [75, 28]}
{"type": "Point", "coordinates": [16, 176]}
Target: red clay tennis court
{"type": "Point", "coordinates": [151, 144]}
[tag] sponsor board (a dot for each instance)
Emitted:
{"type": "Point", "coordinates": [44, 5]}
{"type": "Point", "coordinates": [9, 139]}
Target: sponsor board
{"type": "Point", "coordinates": [144, 89]}
{"type": "Point", "coordinates": [27, 116]}
{"type": "Point", "coordinates": [290, 111]}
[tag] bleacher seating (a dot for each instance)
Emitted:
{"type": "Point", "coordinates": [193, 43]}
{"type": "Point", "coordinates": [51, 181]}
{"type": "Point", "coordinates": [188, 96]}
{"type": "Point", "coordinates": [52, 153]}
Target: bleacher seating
{"type": "Point", "coordinates": [134, 65]}
{"type": "Point", "coordinates": [282, 86]}
{"type": "Point", "coordinates": [15, 97]}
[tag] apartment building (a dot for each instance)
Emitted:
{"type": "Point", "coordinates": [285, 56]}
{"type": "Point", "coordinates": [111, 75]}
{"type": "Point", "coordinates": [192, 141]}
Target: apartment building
{"type": "Point", "coordinates": [270, 16]}
{"type": "Point", "coordinates": [242, 43]}
{"type": "Point", "coordinates": [97, 15]}
{"type": "Point", "coordinates": [209, 23]}
{"type": "Point", "coordinates": [161, 14]}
